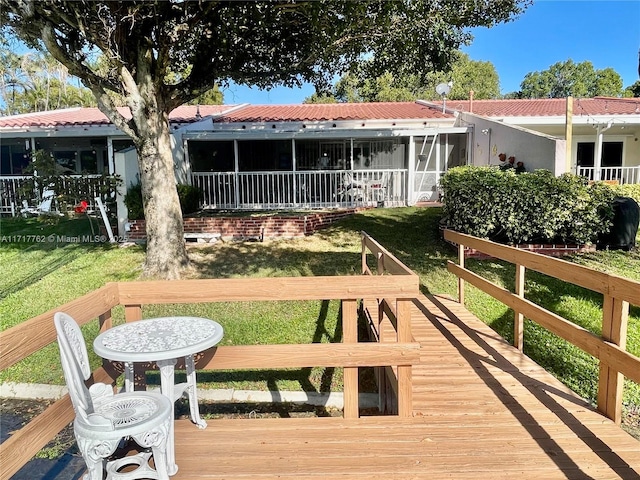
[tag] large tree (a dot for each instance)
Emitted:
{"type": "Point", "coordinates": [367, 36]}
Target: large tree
{"type": "Point", "coordinates": [465, 74]}
{"type": "Point", "coordinates": [568, 78]}
{"type": "Point", "coordinates": [261, 43]}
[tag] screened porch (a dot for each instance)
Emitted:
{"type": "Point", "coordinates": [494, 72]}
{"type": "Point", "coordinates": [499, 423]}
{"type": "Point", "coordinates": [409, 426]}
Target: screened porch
{"type": "Point", "coordinates": [321, 173]}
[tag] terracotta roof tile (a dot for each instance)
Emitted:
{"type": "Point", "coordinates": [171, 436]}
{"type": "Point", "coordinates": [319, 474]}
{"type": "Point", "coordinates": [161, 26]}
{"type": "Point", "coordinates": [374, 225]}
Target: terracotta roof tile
{"type": "Point", "coordinates": [93, 116]}
{"type": "Point", "coordinates": [546, 107]}
{"type": "Point", "coordinates": [341, 111]}
{"type": "Point", "coordinates": [332, 111]}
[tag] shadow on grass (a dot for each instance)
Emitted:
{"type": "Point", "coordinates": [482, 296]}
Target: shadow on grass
{"type": "Point", "coordinates": [36, 247]}
{"type": "Point", "coordinates": [411, 234]}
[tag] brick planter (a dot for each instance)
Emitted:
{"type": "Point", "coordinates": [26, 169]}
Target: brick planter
{"type": "Point", "coordinates": [253, 227]}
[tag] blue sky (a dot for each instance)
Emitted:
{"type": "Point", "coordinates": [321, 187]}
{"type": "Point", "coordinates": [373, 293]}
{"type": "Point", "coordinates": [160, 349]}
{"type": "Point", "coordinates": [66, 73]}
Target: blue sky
{"type": "Point", "coordinates": [604, 32]}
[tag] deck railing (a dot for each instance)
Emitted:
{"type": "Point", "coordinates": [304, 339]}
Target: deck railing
{"type": "Point", "coordinates": [621, 175]}
{"type": "Point", "coordinates": [302, 189]}
{"type": "Point", "coordinates": [388, 322]}
{"type": "Point", "coordinates": [32, 335]}
{"type": "Point", "coordinates": [618, 292]}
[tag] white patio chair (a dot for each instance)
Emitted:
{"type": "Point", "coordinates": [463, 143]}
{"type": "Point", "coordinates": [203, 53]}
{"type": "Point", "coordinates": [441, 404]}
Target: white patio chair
{"type": "Point", "coordinates": [353, 190]}
{"type": "Point", "coordinates": [43, 208]}
{"type": "Point", "coordinates": [378, 188]}
{"type": "Point", "coordinates": [104, 420]}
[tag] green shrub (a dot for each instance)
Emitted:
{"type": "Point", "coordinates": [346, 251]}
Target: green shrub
{"type": "Point", "coordinates": [189, 198]}
{"type": "Point", "coordinates": [530, 207]}
{"type": "Point", "coordinates": [628, 190]}
{"type": "Point", "coordinates": [188, 195]}
{"type": "Point", "coordinates": [133, 201]}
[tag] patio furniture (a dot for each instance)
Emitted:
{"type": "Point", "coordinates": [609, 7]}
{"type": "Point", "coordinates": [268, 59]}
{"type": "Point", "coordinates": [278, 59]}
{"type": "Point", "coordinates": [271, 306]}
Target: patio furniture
{"type": "Point", "coordinates": [378, 188]}
{"type": "Point", "coordinates": [352, 190]}
{"type": "Point", "coordinates": [43, 208]}
{"type": "Point", "coordinates": [162, 340]}
{"type": "Point", "coordinates": [104, 421]}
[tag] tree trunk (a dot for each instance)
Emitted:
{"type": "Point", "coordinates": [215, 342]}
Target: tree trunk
{"type": "Point", "coordinates": [166, 253]}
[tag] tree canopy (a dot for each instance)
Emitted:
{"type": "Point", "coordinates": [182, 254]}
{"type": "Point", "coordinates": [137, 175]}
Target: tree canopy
{"type": "Point", "coordinates": [34, 81]}
{"type": "Point", "coordinates": [259, 43]}
{"type": "Point", "coordinates": [568, 78]}
{"type": "Point", "coordinates": [465, 74]}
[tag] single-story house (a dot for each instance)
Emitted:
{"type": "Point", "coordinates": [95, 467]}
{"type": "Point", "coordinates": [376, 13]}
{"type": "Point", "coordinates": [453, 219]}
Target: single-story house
{"type": "Point", "coordinates": [331, 155]}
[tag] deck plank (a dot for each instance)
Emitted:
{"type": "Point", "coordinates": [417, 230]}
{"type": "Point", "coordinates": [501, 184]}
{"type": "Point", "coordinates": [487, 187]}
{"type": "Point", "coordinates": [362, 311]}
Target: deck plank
{"type": "Point", "coordinates": [481, 410]}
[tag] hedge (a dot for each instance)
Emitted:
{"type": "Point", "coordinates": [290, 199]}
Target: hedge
{"type": "Point", "coordinates": [534, 207]}
{"type": "Point", "coordinates": [188, 195]}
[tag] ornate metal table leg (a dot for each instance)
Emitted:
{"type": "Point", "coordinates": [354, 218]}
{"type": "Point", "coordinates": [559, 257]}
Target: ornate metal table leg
{"type": "Point", "coordinates": [193, 393]}
{"type": "Point", "coordinates": [129, 383]}
{"type": "Point", "coordinates": [166, 386]}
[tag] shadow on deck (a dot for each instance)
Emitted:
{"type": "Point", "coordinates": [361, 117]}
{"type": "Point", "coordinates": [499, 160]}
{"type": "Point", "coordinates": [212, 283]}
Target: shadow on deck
{"type": "Point", "coordinates": [481, 410]}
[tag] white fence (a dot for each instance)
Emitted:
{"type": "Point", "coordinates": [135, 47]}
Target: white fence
{"type": "Point", "coordinates": [302, 189]}
{"type": "Point", "coordinates": [306, 189]}
{"type": "Point", "coordinates": [15, 189]}
{"type": "Point", "coordinates": [620, 174]}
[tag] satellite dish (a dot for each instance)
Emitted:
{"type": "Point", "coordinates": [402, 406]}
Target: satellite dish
{"type": "Point", "coordinates": [443, 89]}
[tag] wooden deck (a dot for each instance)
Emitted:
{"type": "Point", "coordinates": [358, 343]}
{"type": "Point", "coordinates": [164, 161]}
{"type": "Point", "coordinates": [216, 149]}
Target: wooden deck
{"type": "Point", "coordinates": [481, 410]}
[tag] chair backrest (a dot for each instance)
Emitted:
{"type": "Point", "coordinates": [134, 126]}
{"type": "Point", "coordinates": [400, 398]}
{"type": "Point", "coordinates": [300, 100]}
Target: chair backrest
{"type": "Point", "coordinates": [347, 179]}
{"type": "Point", "coordinates": [47, 200]}
{"type": "Point", "coordinates": [75, 363]}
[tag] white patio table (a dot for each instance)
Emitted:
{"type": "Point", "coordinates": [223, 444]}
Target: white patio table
{"type": "Point", "coordinates": [162, 340]}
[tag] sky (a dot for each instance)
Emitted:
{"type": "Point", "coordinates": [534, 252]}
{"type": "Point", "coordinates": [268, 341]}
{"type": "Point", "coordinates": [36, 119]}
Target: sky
{"type": "Point", "coordinates": [604, 32]}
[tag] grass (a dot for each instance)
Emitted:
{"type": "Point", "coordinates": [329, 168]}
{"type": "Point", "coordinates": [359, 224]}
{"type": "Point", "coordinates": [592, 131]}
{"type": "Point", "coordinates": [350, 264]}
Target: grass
{"type": "Point", "coordinates": [41, 276]}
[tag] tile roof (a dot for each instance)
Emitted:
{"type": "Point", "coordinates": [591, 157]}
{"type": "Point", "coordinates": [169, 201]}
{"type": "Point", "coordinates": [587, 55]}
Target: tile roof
{"type": "Point", "coordinates": [341, 111]}
{"type": "Point", "coordinates": [333, 111]}
{"type": "Point", "coordinates": [548, 107]}
{"type": "Point", "coordinates": [93, 116]}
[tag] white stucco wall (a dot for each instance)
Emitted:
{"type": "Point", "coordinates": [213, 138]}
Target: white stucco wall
{"type": "Point", "coordinates": [534, 149]}
{"type": "Point", "coordinates": [126, 163]}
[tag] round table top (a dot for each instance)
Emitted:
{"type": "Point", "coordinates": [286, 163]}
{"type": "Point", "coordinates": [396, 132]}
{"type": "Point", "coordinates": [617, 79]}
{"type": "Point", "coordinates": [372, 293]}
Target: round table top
{"type": "Point", "coordinates": [160, 338]}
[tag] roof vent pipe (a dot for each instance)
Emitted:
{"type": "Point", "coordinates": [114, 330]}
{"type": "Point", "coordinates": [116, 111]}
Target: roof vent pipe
{"type": "Point", "coordinates": [471, 92]}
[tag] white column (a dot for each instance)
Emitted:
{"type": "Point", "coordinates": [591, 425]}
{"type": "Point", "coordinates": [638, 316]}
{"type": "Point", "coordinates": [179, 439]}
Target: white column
{"type": "Point", "coordinates": [411, 172]}
{"type": "Point", "coordinates": [110, 160]}
{"type": "Point", "coordinates": [597, 158]}
{"type": "Point", "coordinates": [236, 166]}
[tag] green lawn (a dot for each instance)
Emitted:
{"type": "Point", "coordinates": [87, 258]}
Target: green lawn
{"type": "Point", "coordinates": [40, 276]}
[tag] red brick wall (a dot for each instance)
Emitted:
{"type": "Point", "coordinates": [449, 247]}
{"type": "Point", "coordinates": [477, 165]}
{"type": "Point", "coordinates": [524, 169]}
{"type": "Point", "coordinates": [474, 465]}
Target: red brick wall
{"type": "Point", "coordinates": [238, 228]}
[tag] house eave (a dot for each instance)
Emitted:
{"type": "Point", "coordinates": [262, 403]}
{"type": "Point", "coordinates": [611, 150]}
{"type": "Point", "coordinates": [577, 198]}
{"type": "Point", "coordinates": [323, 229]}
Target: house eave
{"type": "Point", "coordinates": [304, 133]}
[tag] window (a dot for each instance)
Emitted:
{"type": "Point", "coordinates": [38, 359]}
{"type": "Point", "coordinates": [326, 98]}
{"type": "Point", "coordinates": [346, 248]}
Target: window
{"type": "Point", "coordinates": [66, 161]}
{"type": "Point", "coordinates": [264, 155]}
{"type": "Point", "coordinates": [211, 156]}
{"type": "Point", "coordinates": [13, 159]}
{"type": "Point", "coordinates": [376, 154]}
{"type": "Point", "coordinates": [611, 154]}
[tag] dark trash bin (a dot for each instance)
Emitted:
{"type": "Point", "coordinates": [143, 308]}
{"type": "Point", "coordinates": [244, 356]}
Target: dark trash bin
{"type": "Point", "coordinates": [626, 217]}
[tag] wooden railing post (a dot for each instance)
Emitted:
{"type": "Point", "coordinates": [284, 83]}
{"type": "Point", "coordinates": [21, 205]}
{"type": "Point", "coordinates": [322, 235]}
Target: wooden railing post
{"type": "Point", "coordinates": [518, 318]}
{"type": "Point", "coordinates": [351, 407]}
{"type": "Point", "coordinates": [615, 318]}
{"type": "Point", "coordinates": [460, 280]}
{"type": "Point", "coordinates": [380, 265]}
{"type": "Point", "coordinates": [363, 254]}
{"type": "Point", "coordinates": [405, 388]}
{"type": "Point", "coordinates": [132, 313]}
{"type": "Point", "coordinates": [105, 321]}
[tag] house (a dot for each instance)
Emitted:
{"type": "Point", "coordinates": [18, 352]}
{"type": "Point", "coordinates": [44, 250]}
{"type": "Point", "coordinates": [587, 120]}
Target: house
{"type": "Point", "coordinates": [602, 133]}
{"type": "Point", "coordinates": [332, 155]}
